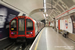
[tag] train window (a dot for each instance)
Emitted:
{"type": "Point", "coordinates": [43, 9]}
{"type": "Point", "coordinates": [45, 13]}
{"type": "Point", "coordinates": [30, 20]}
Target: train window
{"type": "Point", "coordinates": [13, 25]}
{"type": "Point", "coordinates": [29, 24]}
{"type": "Point", "coordinates": [21, 25]}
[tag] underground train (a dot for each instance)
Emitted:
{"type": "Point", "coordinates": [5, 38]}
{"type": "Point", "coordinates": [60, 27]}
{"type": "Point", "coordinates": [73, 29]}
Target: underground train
{"type": "Point", "coordinates": [23, 26]}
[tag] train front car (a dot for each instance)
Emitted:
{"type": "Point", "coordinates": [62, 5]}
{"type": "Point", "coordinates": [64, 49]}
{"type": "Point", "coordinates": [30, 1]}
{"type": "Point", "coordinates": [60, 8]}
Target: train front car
{"type": "Point", "coordinates": [30, 28]}
{"type": "Point", "coordinates": [22, 27]}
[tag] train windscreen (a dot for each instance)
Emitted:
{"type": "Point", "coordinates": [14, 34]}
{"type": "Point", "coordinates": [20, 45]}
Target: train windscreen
{"type": "Point", "coordinates": [13, 25]}
{"type": "Point", "coordinates": [29, 25]}
{"type": "Point", "coordinates": [21, 24]}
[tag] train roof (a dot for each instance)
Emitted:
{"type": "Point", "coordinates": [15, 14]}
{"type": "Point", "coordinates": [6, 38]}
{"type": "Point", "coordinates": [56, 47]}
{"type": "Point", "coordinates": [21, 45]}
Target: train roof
{"type": "Point", "coordinates": [25, 17]}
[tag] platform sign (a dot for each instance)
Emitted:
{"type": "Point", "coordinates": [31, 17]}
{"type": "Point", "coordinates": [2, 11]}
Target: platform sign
{"type": "Point", "coordinates": [6, 14]}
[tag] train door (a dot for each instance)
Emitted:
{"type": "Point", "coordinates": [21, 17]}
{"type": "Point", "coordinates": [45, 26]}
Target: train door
{"type": "Point", "coordinates": [29, 26]}
{"type": "Point", "coordinates": [13, 25]}
{"type": "Point", "coordinates": [21, 26]}
{"type": "Point", "coordinates": [13, 29]}
{"type": "Point", "coordinates": [58, 24]}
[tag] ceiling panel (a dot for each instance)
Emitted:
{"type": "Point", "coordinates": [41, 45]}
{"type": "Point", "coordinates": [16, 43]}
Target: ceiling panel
{"type": "Point", "coordinates": [48, 11]}
{"type": "Point", "coordinates": [38, 16]}
{"type": "Point", "coordinates": [55, 0]}
{"type": "Point", "coordinates": [52, 16]}
{"type": "Point", "coordinates": [63, 5]}
{"type": "Point", "coordinates": [27, 6]}
{"type": "Point", "coordinates": [53, 3]}
{"type": "Point", "coordinates": [48, 1]}
{"type": "Point", "coordinates": [59, 8]}
{"type": "Point", "coordinates": [56, 13]}
{"type": "Point", "coordinates": [69, 3]}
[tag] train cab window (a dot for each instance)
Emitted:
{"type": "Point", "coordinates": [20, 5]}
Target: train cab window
{"type": "Point", "coordinates": [21, 24]}
{"type": "Point", "coordinates": [13, 25]}
{"type": "Point", "coordinates": [29, 25]}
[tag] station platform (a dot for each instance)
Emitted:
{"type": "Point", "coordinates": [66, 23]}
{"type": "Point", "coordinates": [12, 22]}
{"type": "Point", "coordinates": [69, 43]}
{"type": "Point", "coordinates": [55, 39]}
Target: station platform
{"type": "Point", "coordinates": [49, 39]}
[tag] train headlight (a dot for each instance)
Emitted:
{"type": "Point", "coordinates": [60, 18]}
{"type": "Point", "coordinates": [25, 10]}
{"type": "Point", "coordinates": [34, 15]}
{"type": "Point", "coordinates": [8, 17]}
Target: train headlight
{"type": "Point", "coordinates": [29, 32]}
{"type": "Point", "coordinates": [13, 32]}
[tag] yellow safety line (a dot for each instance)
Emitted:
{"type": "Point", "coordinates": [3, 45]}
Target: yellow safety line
{"type": "Point", "coordinates": [38, 41]}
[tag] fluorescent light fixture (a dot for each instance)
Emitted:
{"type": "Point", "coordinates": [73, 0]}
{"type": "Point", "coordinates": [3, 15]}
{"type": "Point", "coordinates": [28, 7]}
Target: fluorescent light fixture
{"type": "Point", "coordinates": [44, 6]}
{"type": "Point", "coordinates": [44, 15]}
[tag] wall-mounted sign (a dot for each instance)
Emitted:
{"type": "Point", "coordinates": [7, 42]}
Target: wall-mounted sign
{"type": "Point", "coordinates": [66, 24]}
{"type": "Point", "coordinates": [6, 14]}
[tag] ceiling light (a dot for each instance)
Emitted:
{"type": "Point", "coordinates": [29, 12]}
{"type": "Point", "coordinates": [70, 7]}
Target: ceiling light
{"type": "Point", "coordinates": [44, 6]}
{"type": "Point", "coordinates": [46, 14]}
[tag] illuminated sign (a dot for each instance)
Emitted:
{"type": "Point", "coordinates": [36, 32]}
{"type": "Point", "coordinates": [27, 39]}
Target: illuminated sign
{"type": "Point", "coordinates": [12, 28]}
{"type": "Point", "coordinates": [21, 17]}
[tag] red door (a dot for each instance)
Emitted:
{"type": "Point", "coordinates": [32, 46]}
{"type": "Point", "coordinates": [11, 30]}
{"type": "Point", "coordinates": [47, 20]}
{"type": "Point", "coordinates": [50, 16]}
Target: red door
{"type": "Point", "coordinates": [58, 24]}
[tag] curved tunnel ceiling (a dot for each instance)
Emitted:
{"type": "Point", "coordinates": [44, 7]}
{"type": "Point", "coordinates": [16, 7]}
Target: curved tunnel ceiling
{"type": "Point", "coordinates": [33, 7]}
{"type": "Point", "coordinates": [60, 7]}
{"type": "Point", "coordinates": [37, 14]}
{"type": "Point", "coordinates": [28, 6]}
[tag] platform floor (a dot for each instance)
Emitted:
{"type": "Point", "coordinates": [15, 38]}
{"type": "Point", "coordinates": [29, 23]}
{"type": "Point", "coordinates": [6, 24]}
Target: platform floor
{"type": "Point", "coordinates": [48, 39]}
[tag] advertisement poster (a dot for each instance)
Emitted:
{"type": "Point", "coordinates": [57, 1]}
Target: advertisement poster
{"type": "Point", "coordinates": [73, 22]}
{"type": "Point", "coordinates": [6, 14]}
{"type": "Point", "coordinates": [66, 23]}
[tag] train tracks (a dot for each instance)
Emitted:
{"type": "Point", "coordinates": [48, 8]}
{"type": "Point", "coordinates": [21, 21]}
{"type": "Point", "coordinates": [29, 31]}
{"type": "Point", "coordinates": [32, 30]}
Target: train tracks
{"type": "Point", "coordinates": [19, 45]}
